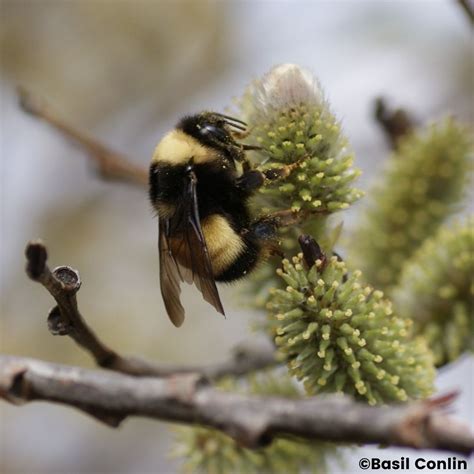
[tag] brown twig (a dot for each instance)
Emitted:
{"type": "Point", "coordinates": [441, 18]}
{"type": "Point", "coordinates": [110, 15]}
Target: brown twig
{"type": "Point", "coordinates": [468, 9]}
{"type": "Point", "coordinates": [110, 165]}
{"type": "Point", "coordinates": [395, 122]}
{"type": "Point", "coordinates": [66, 319]}
{"type": "Point", "coordinates": [252, 420]}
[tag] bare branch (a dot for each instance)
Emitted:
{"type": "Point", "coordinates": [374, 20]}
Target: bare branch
{"type": "Point", "coordinates": [252, 420]}
{"type": "Point", "coordinates": [468, 9]}
{"type": "Point", "coordinates": [245, 358]}
{"type": "Point", "coordinates": [110, 165]}
{"type": "Point", "coordinates": [66, 319]}
{"type": "Point", "coordinates": [394, 122]}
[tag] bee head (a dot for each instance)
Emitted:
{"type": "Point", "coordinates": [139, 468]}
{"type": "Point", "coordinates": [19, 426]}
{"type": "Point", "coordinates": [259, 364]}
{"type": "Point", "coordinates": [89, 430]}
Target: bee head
{"type": "Point", "coordinates": [212, 129]}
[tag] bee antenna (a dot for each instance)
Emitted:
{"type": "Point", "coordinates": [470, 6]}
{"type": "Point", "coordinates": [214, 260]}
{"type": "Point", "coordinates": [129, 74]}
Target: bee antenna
{"type": "Point", "coordinates": [234, 125]}
{"type": "Point", "coordinates": [231, 119]}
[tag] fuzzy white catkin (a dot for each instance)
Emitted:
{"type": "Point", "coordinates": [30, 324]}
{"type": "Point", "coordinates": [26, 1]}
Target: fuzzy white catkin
{"type": "Point", "coordinates": [290, 119]}
{"type": "Point", "coordinates": [286, 85]}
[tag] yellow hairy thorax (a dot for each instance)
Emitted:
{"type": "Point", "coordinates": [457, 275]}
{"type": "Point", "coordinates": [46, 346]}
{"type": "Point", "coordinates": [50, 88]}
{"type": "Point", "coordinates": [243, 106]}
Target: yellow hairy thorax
{"type": "Point", "coordinates": [177, 148]}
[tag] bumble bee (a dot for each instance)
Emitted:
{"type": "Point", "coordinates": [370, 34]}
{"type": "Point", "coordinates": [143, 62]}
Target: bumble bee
{"type": "Point", "coordinates": [206, 232]}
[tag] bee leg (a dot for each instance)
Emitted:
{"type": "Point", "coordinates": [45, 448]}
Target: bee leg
{"type": "Point", "coordinates": [281, 172]}
{"type": "Point", "coordinates": [246, 166]}
{"type": "Point", "coordinates": [274, 174]}
{"type": "Point", "coordinates": [265, 228]}
{"type": "Point", "coordinates": [265, 232]}
{"type": "Point", "coordinates": [250, 181]}
{"type": "Point", "coordinates": [242, 158]}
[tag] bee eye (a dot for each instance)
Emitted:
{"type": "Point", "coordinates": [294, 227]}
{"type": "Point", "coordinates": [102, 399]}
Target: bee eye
{"type": "Point", "coordinates": [216, 132]}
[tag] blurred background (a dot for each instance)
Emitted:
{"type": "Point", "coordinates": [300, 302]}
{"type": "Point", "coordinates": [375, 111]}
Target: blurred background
{"type": "Point", "coordinates": [125, 71]}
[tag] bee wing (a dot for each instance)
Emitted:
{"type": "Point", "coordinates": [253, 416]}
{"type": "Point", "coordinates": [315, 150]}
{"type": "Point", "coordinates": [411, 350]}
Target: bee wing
{"type": "Point", "coordinates": [170, 276]}
{"type": "Point", "coordinates": [195, 264]}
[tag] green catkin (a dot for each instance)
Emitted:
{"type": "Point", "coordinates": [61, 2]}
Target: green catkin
{"type": "Point", "coordinates": [436, 289]}
{"type": "Point", "coordinates": [209, 451]}
{"type": "Point", "coordinates": [344, 337]}
{"type": "Point", "coordinates": [423, 182]}
{"type": "Point", "coordinates": [290, 118]}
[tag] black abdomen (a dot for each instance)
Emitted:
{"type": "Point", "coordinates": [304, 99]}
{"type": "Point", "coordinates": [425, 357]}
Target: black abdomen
{"type": "Point", "coordinates": [216, 189]}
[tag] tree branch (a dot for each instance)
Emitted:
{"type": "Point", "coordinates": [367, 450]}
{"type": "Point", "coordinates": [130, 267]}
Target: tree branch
{"type": "Point", "coordinates": [394, 122]}
{"type": "Point", "coordinates": [110, 165]}
{"type": "Point", "coordinates": [253, 421]}
{"type": "Point", "coordinates": [65, 319]}
{"type": "Point", "coordinates": [468, 9]}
